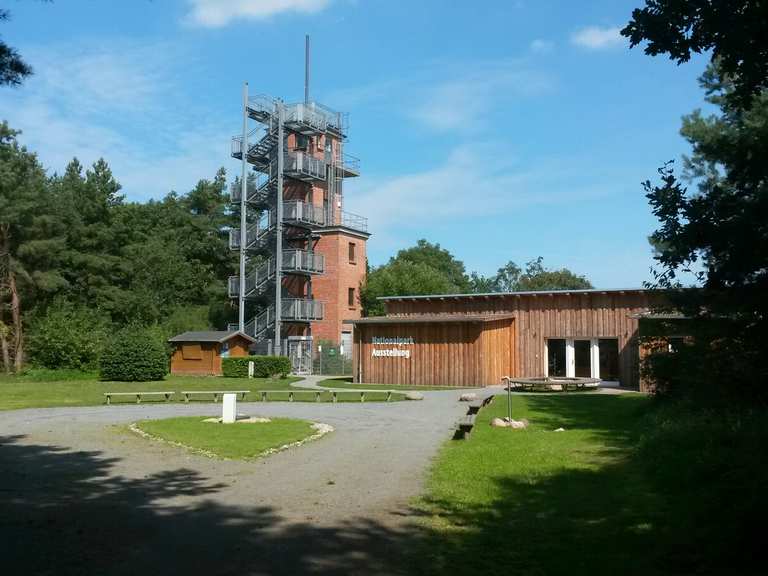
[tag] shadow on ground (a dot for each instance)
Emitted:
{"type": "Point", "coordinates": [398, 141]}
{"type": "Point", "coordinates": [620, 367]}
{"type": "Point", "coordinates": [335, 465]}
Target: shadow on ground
{"type": "Point", "coordinates": [659, 496]}
{"type": "Point", "coordinates": [64, 513]}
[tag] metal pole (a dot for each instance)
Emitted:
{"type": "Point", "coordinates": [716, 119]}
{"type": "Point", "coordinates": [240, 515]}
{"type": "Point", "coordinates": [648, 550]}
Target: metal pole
{"type": "Point", "coordinates": [279, 225]}
{"type": "Point", "coordinates": [509, 401]}
{"type": "Point", "coordinates": [243, 212]}
{"type": "Point", "coordinates": [306, 69]}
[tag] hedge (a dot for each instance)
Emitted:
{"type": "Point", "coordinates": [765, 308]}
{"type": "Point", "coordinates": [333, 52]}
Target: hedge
{"type": "Point", "coordinates": [134, 355]}
{"type": "Point", "coordinates": [263, 366]}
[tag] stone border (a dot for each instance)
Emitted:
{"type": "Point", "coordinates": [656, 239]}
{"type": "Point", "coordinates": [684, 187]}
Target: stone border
{"type": "Point", "coordinates": [321, 429]}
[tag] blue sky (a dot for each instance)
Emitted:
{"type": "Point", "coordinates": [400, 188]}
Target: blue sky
{"type": "Point", "coordinates": [502, 130]}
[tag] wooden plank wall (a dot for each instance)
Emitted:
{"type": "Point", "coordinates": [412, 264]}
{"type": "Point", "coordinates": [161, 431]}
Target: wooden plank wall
{"type": "Point", "coordinates": [444, 354]}
{"type": "Point", "coordinates": [202, 365]}
{"type": "Point", "coordinates": [538, 317]}
{"type": "Point", "coordinates": [498, 347]}
{"type": "Point", "coordinates": [210, 358]}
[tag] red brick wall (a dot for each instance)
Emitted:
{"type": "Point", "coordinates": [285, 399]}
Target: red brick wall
{"type": "Point", "coordinates": [332, 287]}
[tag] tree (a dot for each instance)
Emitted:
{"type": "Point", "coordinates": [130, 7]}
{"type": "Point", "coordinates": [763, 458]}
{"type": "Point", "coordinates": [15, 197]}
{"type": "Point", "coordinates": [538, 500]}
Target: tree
{"type": "Point", "coordinates": [400, 278]}
{"type": "Point", "coordinates": [12, 68]}
{"type": "Point", "coordinates": [510, 278]}
{"type": "Point", "coordinates": [440, 259]}
{"type": "Point", "coordinates": [735, 31]}
{"type": "Point", "coordinates": [720, 232]}
{"type": "Point", "coordinates": [27, 240]}
{"type": "Point", "coordinates": [536, 277]}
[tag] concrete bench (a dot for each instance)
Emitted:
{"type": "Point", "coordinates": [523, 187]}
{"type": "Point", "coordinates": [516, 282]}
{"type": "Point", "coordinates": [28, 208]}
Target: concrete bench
{"type": "Point", "coordinates": [167, 393]}
{"type": "Point", "coordinates": [465, 424]}
{"type": "Point", "coordinates": [318, 394]}
{"type": "Point", "coordinates": [474, 407]}
{"type": "Point", "coordinates": [216, 393]}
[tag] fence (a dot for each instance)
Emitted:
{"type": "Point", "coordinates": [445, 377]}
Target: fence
{"type": "Point", "coordinates": [328, 359]}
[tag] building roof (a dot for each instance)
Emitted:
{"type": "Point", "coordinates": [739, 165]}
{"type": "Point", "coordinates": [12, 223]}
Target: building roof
{"type": "Point", "coordinates": [426, 318]}
{"type": "Point", "coordinates": [209, 336]}
{"type": "Point", "coordinates": [507, 294]}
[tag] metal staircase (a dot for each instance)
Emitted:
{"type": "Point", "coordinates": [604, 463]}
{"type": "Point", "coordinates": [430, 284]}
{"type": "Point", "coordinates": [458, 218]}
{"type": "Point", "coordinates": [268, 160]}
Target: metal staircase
{"type": "Point", "coordinates": [297, 149]}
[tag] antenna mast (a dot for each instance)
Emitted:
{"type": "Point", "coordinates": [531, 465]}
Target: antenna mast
{"type": "Point", "coordinates": [306, 69]}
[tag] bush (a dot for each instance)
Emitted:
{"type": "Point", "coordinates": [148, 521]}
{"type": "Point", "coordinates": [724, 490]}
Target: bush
{"type": "Point", "coordinates": [134, 355]}
{"type": "Point", "coordinates": [67, 336]}
{"type": "Point", "coordinates": [263, 366]}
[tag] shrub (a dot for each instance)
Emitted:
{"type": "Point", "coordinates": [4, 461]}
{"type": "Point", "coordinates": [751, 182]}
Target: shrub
{"type": "Point", "coordinates": [67, 336]}
{"type": "Point", "coordinates": [263, 366]}
{"type": "Point", "coordinates": [134, 355]}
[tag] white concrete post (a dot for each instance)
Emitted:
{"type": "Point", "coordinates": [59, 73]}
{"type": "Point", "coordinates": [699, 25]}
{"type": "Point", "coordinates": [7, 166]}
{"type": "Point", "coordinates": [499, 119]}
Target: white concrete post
{"type": "Point", "coordinates": [250, 369]}
{"type": "Point", "coordinates": [229, 408]}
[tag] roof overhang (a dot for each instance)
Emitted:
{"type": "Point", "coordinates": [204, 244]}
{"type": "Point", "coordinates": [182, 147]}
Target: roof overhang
{"type": "Point", "coordinates": [343, 230]}
{"type": "Point", "coordinates": [431, 319]}
{"type": "Point", "coordinates": [209, 337]}
{"type": "Point", "coordinates": [534, 293]}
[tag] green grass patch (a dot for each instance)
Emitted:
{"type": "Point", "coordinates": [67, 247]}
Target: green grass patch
{"type": "Point", "coordinates": [26, 391]}
{"type": "Point", "coordinates": [628, 488]}
{"type": "Point", "coordinates": [348, 384]}
{"type": "Point", "coordinates": [237, 441]}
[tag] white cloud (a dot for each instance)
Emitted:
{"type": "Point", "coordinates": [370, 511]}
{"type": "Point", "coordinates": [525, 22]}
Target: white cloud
{"type": "Point", "coordinates": [482, 181]}
{"type": "Point", "coordinates": [597, 38]}
{"type": "Point", "coordinates": [218, 13]}
{"type": "Point", "coordinates": [458, 96]}
{"type": "Point", "coordinates": [463, 102]}
{"type": "Point", "coordinates": [541, 46]}
{"type": "Point", "coordinates": [119, 101]}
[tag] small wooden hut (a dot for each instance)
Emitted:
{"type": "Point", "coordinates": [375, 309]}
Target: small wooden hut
{"type": "Point", "coordinates": [200, 353]}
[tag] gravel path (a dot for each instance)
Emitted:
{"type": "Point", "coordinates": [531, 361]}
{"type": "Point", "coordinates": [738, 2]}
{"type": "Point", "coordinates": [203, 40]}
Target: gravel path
{"type": "Point", "coordinates": [81, 495]}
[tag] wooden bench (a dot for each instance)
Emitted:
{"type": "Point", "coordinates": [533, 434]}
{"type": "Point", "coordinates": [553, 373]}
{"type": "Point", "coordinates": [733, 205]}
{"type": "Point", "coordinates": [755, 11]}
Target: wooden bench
{"type": "Point", "coordinates": [167, 393]}
{"type": "Point", "coordinates": [216, 393]}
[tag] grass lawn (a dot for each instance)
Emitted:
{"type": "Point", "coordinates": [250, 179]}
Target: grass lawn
{"type": "Point", "coordinates": [43, 389]}
{"type": "Point", "coordinates": [627, 488]}
{"type": "Point", "coordinates": [229, 440]}
{"type": "Point", "coordinates": [346, 382]}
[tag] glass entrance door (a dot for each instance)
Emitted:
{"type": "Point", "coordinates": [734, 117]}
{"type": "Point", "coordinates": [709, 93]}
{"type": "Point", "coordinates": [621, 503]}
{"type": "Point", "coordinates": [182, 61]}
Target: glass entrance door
{"type": "Point", "coordinates": [609, 359]}
{"type": "Point", "coordinates": [556, 360]}
{"type": "Point", "coordinates": [582, 358]}
{"type": "Point", "coordinates": [300, 353]}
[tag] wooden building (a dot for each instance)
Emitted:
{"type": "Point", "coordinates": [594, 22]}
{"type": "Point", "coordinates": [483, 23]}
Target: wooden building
{"type": "Point", "coordinates": [476, 339]}
{"type": "Point", "coordinates": [200, 353]}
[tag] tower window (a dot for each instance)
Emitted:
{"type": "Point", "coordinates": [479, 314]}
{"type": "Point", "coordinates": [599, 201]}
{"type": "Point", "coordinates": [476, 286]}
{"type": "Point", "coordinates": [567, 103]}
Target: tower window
{"type": "Point", "coordinates": [351, 297]}
{"type": "Point", "coordinates": [302, 142]}
{"type": "Point", "coordinates": [352, 254]}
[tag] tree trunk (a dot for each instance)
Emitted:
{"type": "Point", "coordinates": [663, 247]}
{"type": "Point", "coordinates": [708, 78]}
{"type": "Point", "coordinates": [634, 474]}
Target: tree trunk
{"type": "Point", "coordinates": [18, 328]}
{"type": "Point", "coordinates": [5, 353]}
{"type": "Point", "coordinates": [8, 287]}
